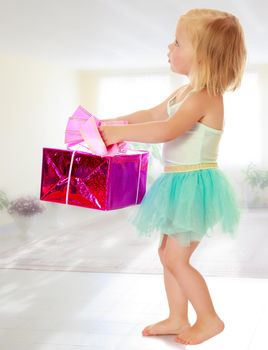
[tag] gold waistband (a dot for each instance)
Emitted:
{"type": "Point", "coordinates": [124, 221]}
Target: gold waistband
{"type": "Point", "coordinates": [188, 167]}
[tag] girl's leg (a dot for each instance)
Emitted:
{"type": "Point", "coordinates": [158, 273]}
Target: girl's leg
{"type": "Point", "coordinates": [177, 301]}
{"type": "Point", "coordinates": [195, 289]}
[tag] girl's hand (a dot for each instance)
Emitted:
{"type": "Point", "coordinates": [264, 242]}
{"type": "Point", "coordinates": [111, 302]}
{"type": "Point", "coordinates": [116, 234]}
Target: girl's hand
{"type": "Point", "coordinates": [109, 134]}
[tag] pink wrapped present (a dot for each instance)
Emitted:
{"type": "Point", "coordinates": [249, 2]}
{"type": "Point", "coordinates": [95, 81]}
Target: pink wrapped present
{"type": "Point", "coordinates": [105, 182]}
{"type": "Point", "coordinates": [87, 180]}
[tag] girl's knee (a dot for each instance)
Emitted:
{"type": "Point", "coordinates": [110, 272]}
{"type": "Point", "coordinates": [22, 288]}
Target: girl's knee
{"type": "Point", "coordinates": [172, 255]}
{"type": "Point", "coordinates": [175, 263]}
{"type": "Point", "coordinates": [177, 254]}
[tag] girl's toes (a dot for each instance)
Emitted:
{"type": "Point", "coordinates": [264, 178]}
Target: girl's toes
{"type": "Point", "coordinates": [146, 330]}
{"type": "Point", "coordinates": [179, 340]}
{"type": "Point", "coordinates": [182, 341]}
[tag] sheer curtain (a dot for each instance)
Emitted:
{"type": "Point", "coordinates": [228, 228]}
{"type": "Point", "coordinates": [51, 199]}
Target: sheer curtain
{"type": "Point", "coordinates": [241, 153]}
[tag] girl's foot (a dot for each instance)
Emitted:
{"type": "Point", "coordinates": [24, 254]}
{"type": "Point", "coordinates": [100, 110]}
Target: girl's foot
{"type": "Point", "coordinates": [200, 331]}
{"type": "Point", "coordinates": [165, 327]}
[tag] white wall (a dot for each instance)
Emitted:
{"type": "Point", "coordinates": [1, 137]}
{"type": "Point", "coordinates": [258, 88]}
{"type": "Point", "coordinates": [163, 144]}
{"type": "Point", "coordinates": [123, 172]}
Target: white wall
{"type": "Point", "coordinates": [36, 100]}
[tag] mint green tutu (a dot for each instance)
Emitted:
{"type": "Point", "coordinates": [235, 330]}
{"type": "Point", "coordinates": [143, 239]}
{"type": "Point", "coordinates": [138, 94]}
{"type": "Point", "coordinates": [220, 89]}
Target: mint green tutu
{"type": "Point", "coordinates": [187, 205]}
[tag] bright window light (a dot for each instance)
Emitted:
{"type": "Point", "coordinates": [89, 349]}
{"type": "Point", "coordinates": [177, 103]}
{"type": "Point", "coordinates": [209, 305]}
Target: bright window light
{"type": "Point", "coordinates": [241, 140]}
{"type": "Point", "coordinates": [120, 95]}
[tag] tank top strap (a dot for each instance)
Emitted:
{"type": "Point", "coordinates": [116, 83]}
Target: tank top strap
{"type": "Point", "coordinates": [188, 93]}
{"type": "Point", "coordinates": [172, 102]}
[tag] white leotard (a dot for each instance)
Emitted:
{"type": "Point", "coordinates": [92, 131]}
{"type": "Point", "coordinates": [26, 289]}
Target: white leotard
{"type": "Point", "coordinates": [197, 145]}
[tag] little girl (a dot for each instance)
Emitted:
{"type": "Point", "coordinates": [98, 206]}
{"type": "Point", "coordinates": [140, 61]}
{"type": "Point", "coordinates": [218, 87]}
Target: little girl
{"type": "Point", "coordinates": [192, 194]}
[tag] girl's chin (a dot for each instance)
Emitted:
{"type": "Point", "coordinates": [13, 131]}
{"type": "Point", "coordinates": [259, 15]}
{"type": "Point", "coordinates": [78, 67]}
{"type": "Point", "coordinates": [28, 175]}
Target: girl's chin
{"type": "Point", "coordinates": [174, 70]}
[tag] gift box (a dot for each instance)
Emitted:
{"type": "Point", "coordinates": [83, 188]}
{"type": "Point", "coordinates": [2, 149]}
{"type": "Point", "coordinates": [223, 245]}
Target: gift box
{"type": "Point", "coordinates": [105, 182]}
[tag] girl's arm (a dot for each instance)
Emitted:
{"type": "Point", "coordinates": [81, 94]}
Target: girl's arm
{"type": "Point", "coordinates": [149, 132]}
{"type": "Point", "coordinates": [190, 112]}
{"type": "Point", "coordinates": [136, 117]}
{"type": "Point", "coordinates": [156, 113]}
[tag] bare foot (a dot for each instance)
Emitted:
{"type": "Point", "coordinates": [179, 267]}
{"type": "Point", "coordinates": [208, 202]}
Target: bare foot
{"type": "Point", "coordinates": [165, 327]}
{"type": "Point", "coordinates": [200, 331]}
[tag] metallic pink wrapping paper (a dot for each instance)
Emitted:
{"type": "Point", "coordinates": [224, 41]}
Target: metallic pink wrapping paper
{"type": "Point", "coordinates": [92, 181]}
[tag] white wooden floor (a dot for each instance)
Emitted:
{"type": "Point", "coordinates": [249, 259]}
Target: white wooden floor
{"type": "Point", "coordinates": [49, 310]}
{"type": "Point", "coordinates": [52, 310]}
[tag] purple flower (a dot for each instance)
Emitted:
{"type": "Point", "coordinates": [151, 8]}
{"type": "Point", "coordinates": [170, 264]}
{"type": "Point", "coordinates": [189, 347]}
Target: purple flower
{"type": "Point", "coordinates": [26, 206]}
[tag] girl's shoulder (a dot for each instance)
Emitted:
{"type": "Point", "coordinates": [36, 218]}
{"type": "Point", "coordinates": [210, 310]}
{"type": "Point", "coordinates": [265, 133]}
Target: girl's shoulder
{"type": "Point", "coordinates": [210, 108]}
{"type": "Point", "coordinates": [208, 101]}
{"type": "Point", "coordinates": [187, 95]}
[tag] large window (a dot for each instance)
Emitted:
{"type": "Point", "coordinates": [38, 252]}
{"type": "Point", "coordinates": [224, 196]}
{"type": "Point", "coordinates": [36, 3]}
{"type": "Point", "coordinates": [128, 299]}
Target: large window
{"type": "Point", "coordinates": [119, 95]}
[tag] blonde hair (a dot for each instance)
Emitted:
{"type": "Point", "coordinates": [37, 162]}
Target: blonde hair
{"type": "Point", "coordinates": [220, 54]}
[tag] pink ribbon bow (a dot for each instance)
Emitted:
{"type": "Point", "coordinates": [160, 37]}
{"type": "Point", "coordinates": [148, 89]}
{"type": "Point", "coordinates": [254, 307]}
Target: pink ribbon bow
{"type": "Point", "coordinates": [82, 130]}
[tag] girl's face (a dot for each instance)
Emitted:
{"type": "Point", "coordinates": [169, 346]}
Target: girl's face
{"type": "Point", "coordinates": [181, 52]}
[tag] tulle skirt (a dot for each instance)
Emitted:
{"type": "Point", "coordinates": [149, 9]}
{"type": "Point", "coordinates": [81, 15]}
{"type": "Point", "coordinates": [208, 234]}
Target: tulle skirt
{"type": "Point", "coordinates": [186, 205]}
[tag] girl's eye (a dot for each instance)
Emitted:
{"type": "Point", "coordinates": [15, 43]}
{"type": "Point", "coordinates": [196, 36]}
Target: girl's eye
{"type": "Point", "coordinates": [176, 43]}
